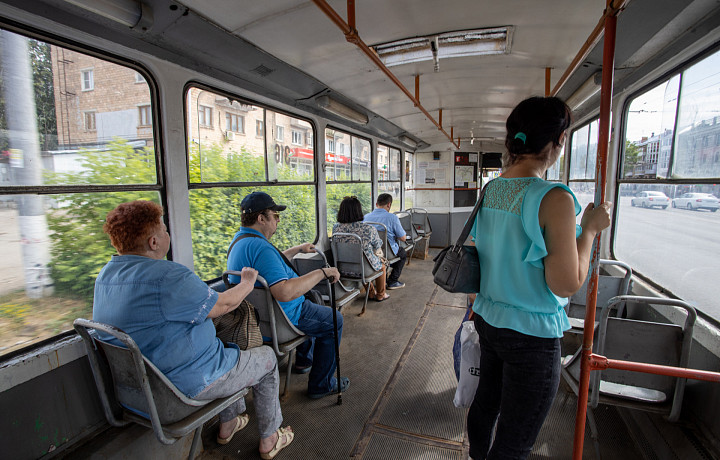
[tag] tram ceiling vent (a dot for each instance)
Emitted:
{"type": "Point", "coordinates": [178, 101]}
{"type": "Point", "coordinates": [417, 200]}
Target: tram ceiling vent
{"type": "Point", "coordinates": [462, 43]}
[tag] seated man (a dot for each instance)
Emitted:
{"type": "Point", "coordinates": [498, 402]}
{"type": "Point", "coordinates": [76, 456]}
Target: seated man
{"type": "Point", "coordinates": [395, 232]}
{"type": "Point", "coordinates": [251, 248]}
{"type": "Point", "coordinates": [168, 311]}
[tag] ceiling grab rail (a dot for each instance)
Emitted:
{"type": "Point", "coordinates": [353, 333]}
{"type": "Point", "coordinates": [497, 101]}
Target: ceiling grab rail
{"type": "Point", "coordinates": [591, 361]}
{"type": "Point", "coordinates": [351, 35]}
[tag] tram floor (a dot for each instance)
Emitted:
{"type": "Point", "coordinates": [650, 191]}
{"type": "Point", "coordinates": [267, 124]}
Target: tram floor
{"type": "Point", "coordinates": [399, 404]}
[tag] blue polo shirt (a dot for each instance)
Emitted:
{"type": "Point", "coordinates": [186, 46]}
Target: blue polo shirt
{"type": "Point", "coordinates": [259, 254]}
{"type": "Point", "coordinates": [391, 221]}
{"type": "Point", "coordinates": [164, 307]}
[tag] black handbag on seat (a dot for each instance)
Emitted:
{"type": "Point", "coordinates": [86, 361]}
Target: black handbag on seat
{"type": "Point", "coordinates": [457, 267]}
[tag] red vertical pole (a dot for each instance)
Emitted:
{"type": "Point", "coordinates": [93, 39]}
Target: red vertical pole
{"type": "Point", "coordinates": [600, 181]}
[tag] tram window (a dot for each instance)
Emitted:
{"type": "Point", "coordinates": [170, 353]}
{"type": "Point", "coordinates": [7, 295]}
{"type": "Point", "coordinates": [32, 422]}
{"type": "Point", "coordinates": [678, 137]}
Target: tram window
{"type": "Point", "coordinates": [215, 217]}
{"type": "Point", "coordinates": [665, 233]}
{"type": "Point", "coordinates": [388, 168]}
{"type": "Point", "coordinates": [409, 181]}
{"type": "Point", "coordinates": [556, 172]}
{"type": "Point", "coordinates": [583, 158]}
{"type": "Point", "coordinates": [347, 172]}
{"type": "Point", "coordinates": [232, 155]}
{"type": "Point", "coordinates": [57, 131]}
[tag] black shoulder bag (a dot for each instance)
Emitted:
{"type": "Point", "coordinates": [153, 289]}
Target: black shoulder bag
{"type": "Point", "coordinates": [457, 267]}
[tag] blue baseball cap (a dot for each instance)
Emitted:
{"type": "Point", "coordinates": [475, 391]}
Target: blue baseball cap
{"type": "Point", "coordinates": [259, 201]}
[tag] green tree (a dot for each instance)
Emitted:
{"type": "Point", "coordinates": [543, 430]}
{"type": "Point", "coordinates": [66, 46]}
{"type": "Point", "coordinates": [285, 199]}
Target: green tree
{"type": "Point", "coordinates": [80, 248]}
{"type": "Point", "coordinates": [630, 158]}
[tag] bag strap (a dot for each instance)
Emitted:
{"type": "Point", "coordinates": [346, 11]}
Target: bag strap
{"type": "Point", "coordinates": [252, 235]}
{"type": "Point", "coordinates": [471, 220]}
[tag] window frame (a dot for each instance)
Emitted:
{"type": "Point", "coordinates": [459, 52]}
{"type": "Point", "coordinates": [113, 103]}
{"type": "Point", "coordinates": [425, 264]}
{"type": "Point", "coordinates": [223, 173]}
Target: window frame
{"type": "Point", "coordinates": [158, 187]}
{"type": "Point", "coordinates": [659, 181]}
{"type": "Point", "coordinates": [91, 81]}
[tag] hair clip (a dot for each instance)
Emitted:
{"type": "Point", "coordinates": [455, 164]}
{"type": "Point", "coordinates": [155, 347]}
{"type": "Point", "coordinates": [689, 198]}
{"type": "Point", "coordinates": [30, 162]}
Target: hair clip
{"type": "Point", "coordinates": [521, 136]}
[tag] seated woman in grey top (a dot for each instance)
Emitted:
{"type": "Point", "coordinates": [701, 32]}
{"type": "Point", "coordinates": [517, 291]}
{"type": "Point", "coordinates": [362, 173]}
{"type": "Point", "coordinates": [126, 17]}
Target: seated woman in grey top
{"type": "Point", "coordinates": [350, 220]}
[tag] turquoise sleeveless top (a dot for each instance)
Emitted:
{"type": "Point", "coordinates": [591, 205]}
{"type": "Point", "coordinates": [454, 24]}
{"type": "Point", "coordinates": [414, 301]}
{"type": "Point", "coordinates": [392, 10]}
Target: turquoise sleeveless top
{"type": "Point", "coordinates": [513, 293]}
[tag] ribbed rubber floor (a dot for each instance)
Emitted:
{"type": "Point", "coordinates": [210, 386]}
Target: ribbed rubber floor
{"type": "Point", "coordinates": [399, 404]}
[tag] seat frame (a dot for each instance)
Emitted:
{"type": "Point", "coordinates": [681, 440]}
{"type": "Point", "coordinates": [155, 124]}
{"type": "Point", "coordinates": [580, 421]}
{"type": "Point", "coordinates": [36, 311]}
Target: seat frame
{"type": "Point", "coordinates": [142, 382]}
{"type": "Point", "coordinates": [390, 255]}
{"type": "Point", "coordinates": [412, 236]}
{"type": "Point", "coordinates": [367, 274]}
{"type": "Point", "coordinates": [343, 294]}
{"type": "Point", "coordinates": [274, 324]}
{"type": "Point", "coordinates": [578, 301]}
{"type": "Point", "coordinates": [622, 387]}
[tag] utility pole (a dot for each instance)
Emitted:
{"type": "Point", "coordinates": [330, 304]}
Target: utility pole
{"type": "Point", "coordinates": [25, 163]}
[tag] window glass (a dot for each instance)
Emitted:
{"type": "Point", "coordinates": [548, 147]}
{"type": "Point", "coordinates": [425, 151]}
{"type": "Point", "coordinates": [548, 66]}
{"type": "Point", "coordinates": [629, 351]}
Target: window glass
{"type": "Point", "coordinates": [393, 188]}
{"type": "Point", "coordinates": [215, 216]}
{"type": "Point", "coordinates": [336, 193]}
{"type": "Point", "coordinates": [697, 153]}
{"type": "Point", "coordinates": [556, 172]}
{"type": "Point", "coordinates": [409, 180]}
{"type": "Point", "coordinates": [361, 164]}
{"type": "Point", "coordinates": [347, 160]}
{"type": "Point", "coordinates": [231, 155]}
{"type": "Point", "coordinates": [85, 122]}
{"type": "Point", "coordinates": [579, 153]}
{"type": "Point", "coordinates": [649, 134]}
{"type": "Point", "coordinates": [51, 259]}
{"type": "Point", "coordinates": [338, 164]}
{"type": "Point", "coordinates": [58, 132]}
{"type": "Point", "coordinates": [665, 227]}
{"type": "Point", "coordinates": [389, 170]}
{"type": "Point", "coordinates": [383, 157]}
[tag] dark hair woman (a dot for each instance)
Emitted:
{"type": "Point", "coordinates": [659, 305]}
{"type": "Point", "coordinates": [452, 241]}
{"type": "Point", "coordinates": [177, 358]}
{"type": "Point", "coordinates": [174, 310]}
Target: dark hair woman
{"type": "Point", "coordinates": [350, 220]}
{"type": "Point", "coordinates": [534, 261]}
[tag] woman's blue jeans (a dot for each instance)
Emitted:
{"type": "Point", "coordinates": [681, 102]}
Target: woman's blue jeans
{"type": "Point", "coordinates": [519, 377]}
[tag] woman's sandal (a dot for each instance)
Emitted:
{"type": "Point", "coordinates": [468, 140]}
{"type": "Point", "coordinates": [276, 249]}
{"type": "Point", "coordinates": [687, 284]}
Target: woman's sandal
{"type": "Point", "coordinates": [385, 297]}
{"type": "Point", "coordinates": [243, 421]}
{"type": "Point", "coordinates": [285, 437]}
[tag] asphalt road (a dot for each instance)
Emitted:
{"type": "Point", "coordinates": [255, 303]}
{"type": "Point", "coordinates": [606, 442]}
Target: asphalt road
{"type": "Point", "coordinates": [676, 248]}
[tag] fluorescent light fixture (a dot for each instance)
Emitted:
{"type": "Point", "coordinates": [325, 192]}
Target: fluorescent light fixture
{"type": "Point", "coordinates": [587, 90]}
{"type": "Point", "coordinates": [476, 42]}
{"type": "Point", "coordinates": [127, 12]}
{"type": "Point", "coordinates": [410, 142]}
{"type": "Point", "coordinates": [341, 110]}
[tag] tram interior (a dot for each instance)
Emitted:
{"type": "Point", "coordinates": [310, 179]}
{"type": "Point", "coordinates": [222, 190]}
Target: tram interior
{"type": "Point", "coordinates": [289, 59]}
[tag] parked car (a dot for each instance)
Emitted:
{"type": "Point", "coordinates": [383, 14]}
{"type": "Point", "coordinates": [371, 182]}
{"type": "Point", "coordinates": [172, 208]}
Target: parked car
{"type": "Point", "coordinates": [696, 201]}
{"type": "Point", "coordinates": [650, 199]}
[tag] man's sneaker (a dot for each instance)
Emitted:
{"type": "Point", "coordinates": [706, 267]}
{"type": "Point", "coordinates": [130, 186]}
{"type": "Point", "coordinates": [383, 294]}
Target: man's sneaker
{"type": "Point", "coordinates": [396, 285]}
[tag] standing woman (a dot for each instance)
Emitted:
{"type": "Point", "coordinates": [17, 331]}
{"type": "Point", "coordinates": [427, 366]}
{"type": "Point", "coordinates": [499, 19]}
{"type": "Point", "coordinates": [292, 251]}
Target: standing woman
{"type": "Point", "coordinates": [532, 258]}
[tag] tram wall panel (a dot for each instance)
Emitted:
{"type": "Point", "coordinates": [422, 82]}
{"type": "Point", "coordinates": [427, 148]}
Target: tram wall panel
{"type": "Point", "coordinates": [49, 412]}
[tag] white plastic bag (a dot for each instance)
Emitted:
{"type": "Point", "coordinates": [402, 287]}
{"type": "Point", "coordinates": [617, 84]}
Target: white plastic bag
{"type": "Point", "coordinates": [469, 362]}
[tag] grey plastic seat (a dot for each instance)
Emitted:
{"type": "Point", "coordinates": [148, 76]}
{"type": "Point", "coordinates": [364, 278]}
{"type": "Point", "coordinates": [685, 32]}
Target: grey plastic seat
{"type": "Point", "coordinates": [277, 330]}
{"type": "Point", "coordinates": [305, 263]}
{"type": "Point", "coordinates": [412, 235]}
{"type": "Point", "coordinates": [608, 287]}
{"type": "Point", "coordinates": [421, 222]}
{"type": "Point", "coordinates": [390, 255]}
{"type": "Point", "coordinates": [350, 259]}
{"type": "Point", "coordinates": [133, 390]}
{"type": "Point", "coordinates": [637, 341]}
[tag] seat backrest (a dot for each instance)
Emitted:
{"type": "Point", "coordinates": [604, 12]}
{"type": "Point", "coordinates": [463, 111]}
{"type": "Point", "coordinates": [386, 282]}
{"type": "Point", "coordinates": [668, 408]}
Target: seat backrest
{"type": "Point", "coordinates": [645, 342]}
{"type": "Point", "coordinates": [274, 323]}
{"type": "Point", "coordinates": [608, 287]}
{"type": "Point", "coordinates": [420, 221]}
{"type": "Point", "coordinates": [349, 256]}
{"type": "Point", "coordinates": [387, 248]}
{"type": "Point", "coordinates": [406, 222]}
{"type": "Point", "coordinates": [138, 385]}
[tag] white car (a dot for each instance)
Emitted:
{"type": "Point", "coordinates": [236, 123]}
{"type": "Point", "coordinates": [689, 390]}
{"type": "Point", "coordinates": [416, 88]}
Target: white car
{"type": "Point", "coordinates": [650, 199]}
{"type": "Point", "coordinates": [696, 201]}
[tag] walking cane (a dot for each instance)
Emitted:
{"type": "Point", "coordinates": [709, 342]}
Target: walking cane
{"type": "Point", "coordinates": [335, 328]}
